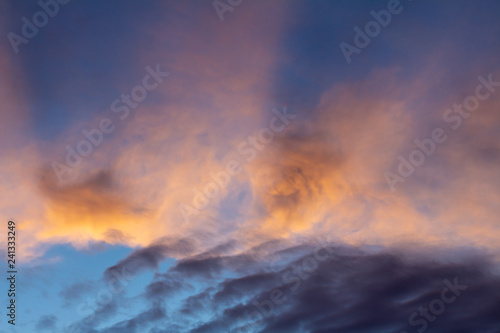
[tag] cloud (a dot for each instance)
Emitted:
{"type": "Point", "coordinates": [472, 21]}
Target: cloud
{"type": "Point", "coordinates": [75, 292]}
{"type": "Point", "coordinates": [138, 323]}
{"type": "Point", "coordinates": [46, 323]}
{"type": "Point", "coordinates": [323, 174]}
{"type": "Point", "coordinates": [149, 257]}
{"type": "Point", "coordinates": [324, 287]}
{"type": "Point", "coordinates": [158, 156]}
{"type": "Point", "coordinates": [94, 203]}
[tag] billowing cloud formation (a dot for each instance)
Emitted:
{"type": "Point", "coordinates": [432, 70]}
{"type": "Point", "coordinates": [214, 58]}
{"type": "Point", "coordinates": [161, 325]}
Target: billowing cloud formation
{"type": "Point", "coordinates": [160, 154]}
{"type": "Point", "coordinates": [213, 156]}
{"type": "Point", "coordinates": [327, 173]}
{"type": "Point", "coordinates": [320, 287]}
{"type": "Point", "coordinates": [323, 173]}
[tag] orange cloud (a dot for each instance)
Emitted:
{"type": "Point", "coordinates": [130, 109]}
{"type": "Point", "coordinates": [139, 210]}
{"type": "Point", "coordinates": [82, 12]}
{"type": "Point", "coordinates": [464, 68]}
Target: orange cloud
{"type": "Point", "coordinates": [324, 175]}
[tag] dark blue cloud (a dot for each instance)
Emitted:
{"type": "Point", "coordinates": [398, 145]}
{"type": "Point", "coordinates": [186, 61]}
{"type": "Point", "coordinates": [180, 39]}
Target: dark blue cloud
{"type": "Point", "coordinates": [328, 288]}
{"type": "Point", "coordinates": [46, 323]}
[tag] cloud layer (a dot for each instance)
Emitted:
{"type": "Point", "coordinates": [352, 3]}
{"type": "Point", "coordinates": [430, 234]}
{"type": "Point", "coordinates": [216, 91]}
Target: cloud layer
{"type": "Point", "coordinates": [318, 287]}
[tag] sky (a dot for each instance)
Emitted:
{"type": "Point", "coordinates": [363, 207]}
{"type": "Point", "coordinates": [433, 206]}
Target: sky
{"type": "Point", "coordinates": [250, 166]}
